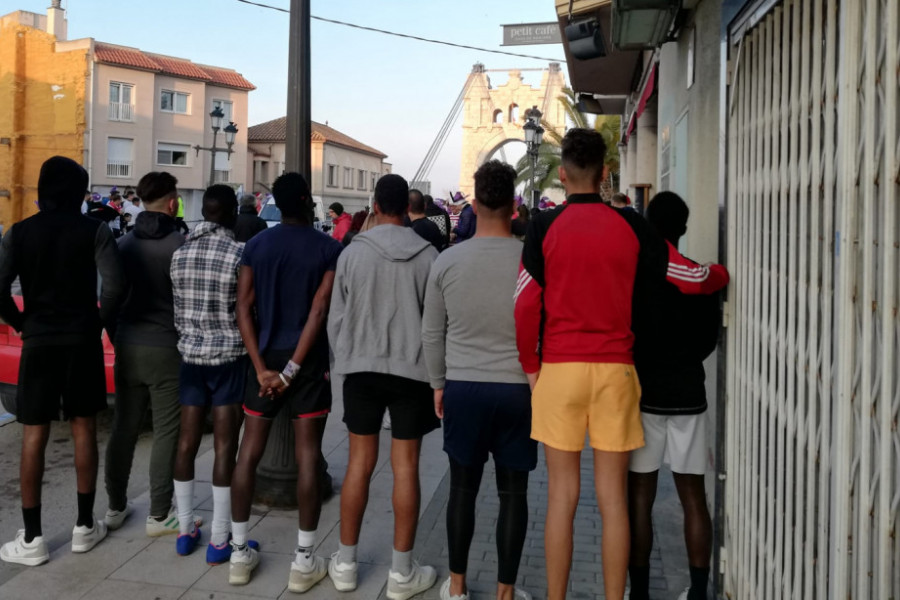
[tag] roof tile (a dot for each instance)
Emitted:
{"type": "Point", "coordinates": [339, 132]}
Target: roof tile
{"type": "Point", "coordinates": [276, 131]}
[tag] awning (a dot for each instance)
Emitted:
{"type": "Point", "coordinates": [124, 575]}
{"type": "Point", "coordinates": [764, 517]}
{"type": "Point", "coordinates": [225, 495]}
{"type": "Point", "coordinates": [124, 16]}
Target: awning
{"type": "Point", "coordinates": [612, 75]}
{"type": "Point", "coordinates": [649, 89]}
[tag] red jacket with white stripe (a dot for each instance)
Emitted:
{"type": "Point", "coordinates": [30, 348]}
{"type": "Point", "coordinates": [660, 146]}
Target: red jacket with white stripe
{"type": "Point", "coordinates": [588, 273]}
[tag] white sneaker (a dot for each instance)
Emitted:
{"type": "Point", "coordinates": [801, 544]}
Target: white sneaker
{"type": "Point", "coordinates": [445, 592]}
{"type": "Point", "coordinates": [241, 564]}
{"type": "Point", "coordinates": [684, 594]}
{"type": "Point", "coordinates": [343, 575]}
{"type": "Point", "coordinates": [85, 538]}
{"type": "Point", "coordinates": [168, 525]}
{"type": "Point", "coordinates": [521, 594]}
{"type": "Point", "coordinates": [303, 577]}
{"type": "Point", "coordinates": [22, 553]}
{"type": "Point", "coordinates": [403, 588]}
{"type": "Point", "coordinates": [115, 518]}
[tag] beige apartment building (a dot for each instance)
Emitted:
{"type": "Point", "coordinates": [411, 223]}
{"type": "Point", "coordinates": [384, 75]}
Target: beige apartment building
{"type": "Point", "coordinates": [343, 169]}
{"type": "Point", "coordinates": [120, 111]}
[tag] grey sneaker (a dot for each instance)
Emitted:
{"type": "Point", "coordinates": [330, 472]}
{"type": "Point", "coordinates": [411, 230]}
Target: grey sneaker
{"type": "Point", "coordinates": [343, 575]}
{"type": "Point", "coordinates": [403, 588]}
{"type": "Point", "coordinates": [242, 562]}
{"type": "Point", "coordinates": [22, 553]}
{"type": "Point", "coordinates": [521, 594]}
{"type": "Point", "coordinates": [684, 595]}
{"type": "Point", "coordinates": [168, 525]}
{"type": "Point", "coordinates": [85, 538]}
{"type": "Point", "coordinates": [115, 518]}
{"type": "Point", "coordinates": [303, 577]}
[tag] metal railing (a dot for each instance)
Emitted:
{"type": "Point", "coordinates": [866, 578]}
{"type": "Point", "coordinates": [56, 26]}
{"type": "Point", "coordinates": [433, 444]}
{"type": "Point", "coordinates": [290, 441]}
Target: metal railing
{"type": "Point", "coordinates": [812, 385]}
{"type": "Point", "coordinates": [118, 168]}
{"type": "Point", "coordinates": [119, 111]}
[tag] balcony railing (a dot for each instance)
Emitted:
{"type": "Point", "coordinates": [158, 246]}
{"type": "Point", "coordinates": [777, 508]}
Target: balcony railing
{"type": "Point", "coordinates": [221, 176]}
{"type": "Point", "coordinates": [118, 168]}
{"type": "Point", "coordinates": [119, 111]}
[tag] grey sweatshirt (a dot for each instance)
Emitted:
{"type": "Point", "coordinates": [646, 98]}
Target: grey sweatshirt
{"type": "Point", "coordinates": [375, 321]}
{"type": "Point", "coordinates": [469, 329]}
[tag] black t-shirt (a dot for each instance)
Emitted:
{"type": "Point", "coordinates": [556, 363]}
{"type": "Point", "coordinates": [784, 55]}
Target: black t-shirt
{"type": "Point", "coordinates": [429, 232]}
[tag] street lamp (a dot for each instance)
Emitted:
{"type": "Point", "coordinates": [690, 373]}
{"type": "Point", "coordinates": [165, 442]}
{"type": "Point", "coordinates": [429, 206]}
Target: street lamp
{"type": "Point", "coordinates": [534, 136]}
{"type": "Point", "coordinates": [216, 117]}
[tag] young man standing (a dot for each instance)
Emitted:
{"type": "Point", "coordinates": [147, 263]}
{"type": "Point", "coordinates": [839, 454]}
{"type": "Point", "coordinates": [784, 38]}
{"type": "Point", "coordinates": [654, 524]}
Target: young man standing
{"type": "Point", "coordinates": [213, 370]}
{"type": "Point", "coordinates": [57, 254]}
{"type": "Point", "coordinates": [284, 290]}
{"type": "Point", "coordinates": [421, 224]}
{"type": "Point", "coordinates": [147, 358]}
{"type": "Point", "coordinates": [669, 362]}
{"type": "Point", "coordinates": [339, 220]}
{"type": "Point", "coordinates": [480, 390]}
{"type": "Point", "coordinates": [375, 328]}
{"type": "Point", "coordinates": [583, 265]}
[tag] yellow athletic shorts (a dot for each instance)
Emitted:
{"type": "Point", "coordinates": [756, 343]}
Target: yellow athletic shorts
{"type": "Point", "coordinates": [600, 399]}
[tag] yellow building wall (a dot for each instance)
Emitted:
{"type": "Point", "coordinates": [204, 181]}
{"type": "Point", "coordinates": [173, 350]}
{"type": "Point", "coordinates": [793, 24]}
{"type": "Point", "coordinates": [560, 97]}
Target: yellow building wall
{"type": "Point", "coordinates": [42, 113]}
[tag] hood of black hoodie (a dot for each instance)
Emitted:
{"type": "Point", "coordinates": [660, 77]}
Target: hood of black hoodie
{"type": "Point", "coordinates": [152, 225]}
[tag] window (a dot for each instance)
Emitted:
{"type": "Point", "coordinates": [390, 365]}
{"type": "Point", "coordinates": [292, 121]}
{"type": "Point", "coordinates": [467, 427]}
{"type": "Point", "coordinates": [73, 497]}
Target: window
{"type": "Point", "coordinates": [121, 101]}
{"type": "Point", "coordinates": [498, 117]}
{"type": "Point", "coordinates": [119, 157]}
{"type": "Point", "coordinates": [361, 180]}
{"type": "Point", "coordinates": [175, 155]}
{"type": "Point", "coordinates": [222, 168]}
{"type": "Point", "coordinates": [227, 108]}
{"type": "Point", "coordinates": [513, 113]}
{"type": "Point", "coordinates": [348, 178]}
{"type": "Point", "coordinates": [262, 171]}
{"type": "Point", "coordinates": [332, 176]}
{"type": "Point", "coordinates": [176, 102]}
{"type": "Point", "coordinates": [374, 180]}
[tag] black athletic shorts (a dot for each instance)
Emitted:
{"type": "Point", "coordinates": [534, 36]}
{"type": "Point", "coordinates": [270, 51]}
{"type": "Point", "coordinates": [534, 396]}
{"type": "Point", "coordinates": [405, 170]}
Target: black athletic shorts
{"type": "Point", "coordinates": [482, 418]}
{"type": "Point", "coordinates": [68, 377]}
{"type": "Point", "coordinates": [308, 396]}
{"type": "Point", "coordinates": [410, 403]}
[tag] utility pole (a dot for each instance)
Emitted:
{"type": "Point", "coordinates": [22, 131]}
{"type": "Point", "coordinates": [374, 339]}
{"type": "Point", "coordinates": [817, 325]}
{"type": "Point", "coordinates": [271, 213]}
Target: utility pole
{"type": "Point", "coordinates": [276, 483]}
{"type": "Point", "coordinates": [299, 112]}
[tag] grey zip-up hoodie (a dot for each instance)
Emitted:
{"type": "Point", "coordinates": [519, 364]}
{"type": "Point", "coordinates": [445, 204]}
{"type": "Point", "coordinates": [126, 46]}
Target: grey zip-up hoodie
{"type": "Point", "coordinates": [375, 321]}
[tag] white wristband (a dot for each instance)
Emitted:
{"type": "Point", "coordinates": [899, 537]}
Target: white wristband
{"type": "Point", "coordinates": [284, 380]}
{"type": "Point", "coordinates": [291, 369]}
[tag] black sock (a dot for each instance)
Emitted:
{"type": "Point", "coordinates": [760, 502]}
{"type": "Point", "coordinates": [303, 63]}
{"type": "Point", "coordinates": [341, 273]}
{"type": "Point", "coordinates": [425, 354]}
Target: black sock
{"type": "Point", "coordinates": [699, 580]}
{"type": "Point", "coordinates": [640, 583]}
{"type": "Point", "coordinates": [32, 518]}
{"type": "Point", "coordinates": [86, 509]}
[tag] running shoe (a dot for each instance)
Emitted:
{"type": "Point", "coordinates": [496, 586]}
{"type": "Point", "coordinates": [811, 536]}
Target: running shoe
{"type": "Point", "coordinates": [85, 538]}
{"type": "Point", "coordinates": [186, 542]}
{"type": "Point", "coordinates": [343, 575]}
{"type": "Point", "coordinates": [401, 587]}
{"type": "Point", "coordinates": [241, 564]}
{"type": "Point", "coordinates": [30, 554]}
{"type": "Point", "coordinates": [303, 577]}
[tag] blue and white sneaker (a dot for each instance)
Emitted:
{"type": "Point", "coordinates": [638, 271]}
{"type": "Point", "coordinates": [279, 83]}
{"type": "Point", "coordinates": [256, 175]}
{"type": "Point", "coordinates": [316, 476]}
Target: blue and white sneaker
{"type": "Point", "coordinates": [186, 543]}
{"type": "Point", "coordinates": [216, 555]}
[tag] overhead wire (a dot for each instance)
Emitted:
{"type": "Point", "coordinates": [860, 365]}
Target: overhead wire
{"type": "Point", "coordinates": [405, 35]}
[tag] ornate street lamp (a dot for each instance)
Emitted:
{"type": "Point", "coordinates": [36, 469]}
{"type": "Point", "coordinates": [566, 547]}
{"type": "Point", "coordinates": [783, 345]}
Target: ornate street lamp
{"type": "Point", "coordinates": [534, 137]}
{"type": "Point", "coordinates": [216, 117]}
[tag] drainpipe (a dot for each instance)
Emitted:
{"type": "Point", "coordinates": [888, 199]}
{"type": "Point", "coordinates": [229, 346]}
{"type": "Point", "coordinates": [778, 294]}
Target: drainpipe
{"type": "Point", "coordinates": [89, 151]}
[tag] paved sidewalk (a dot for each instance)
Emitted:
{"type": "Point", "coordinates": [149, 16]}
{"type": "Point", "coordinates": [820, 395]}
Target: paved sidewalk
{"type": "Point", "coordinates": [132, 566]}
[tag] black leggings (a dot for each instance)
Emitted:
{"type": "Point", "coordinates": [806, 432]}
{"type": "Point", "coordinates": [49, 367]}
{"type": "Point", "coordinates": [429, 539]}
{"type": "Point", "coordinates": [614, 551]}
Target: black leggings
{"type": "Point", "coordinates": [512, 522]}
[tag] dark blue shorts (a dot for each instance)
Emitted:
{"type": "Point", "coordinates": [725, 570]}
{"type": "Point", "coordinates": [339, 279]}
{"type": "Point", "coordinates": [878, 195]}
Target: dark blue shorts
{"type": "Point", "coordinates": [218, 385]}
{"type": "Point", "coordinates": [495, 418]}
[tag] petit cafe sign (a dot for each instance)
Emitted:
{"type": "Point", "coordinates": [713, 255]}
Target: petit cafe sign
{"type": "Point", "coordinates": [526, 34]}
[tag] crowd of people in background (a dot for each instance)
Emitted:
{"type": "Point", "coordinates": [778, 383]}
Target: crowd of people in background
{"type": "Point", "coordinates": [506, 328]}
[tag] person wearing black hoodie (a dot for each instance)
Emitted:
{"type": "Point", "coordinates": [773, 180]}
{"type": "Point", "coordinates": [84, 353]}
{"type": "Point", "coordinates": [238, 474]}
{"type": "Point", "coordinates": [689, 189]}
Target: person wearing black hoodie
{"type": "Point", "coordinates": [248, 222]}
{"type": "Point", "coordinates": [147, 357]}
{"type": "Point", "coordinates": [56, 254]}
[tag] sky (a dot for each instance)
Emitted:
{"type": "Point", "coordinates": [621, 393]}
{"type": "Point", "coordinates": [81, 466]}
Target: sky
{"type": "Point", "coordinates": [387, 92]}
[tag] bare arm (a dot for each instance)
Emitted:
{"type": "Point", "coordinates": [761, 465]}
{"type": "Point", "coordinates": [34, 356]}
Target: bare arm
{"type": "Point", "coordinates": [246, 299]}
{"type": "Point", "coordinates": [315, 323]}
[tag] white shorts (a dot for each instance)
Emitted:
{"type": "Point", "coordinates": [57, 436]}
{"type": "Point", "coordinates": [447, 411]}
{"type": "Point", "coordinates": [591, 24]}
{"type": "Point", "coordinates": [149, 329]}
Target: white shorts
{"type": "Point", "coordinates": [677, 440]}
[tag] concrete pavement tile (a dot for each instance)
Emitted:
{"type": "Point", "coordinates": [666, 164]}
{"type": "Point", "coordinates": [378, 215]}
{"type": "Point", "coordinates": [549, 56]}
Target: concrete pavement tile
{"type": "Point", "coordinates": [375, 540]}
{"type": "Point", "coordinates": [158, 563]}
{"type": "Point", "coordinates": [38, 583]}
{"type": "Point", "coordinates": [372, 580]}
{"type": "Point", "coordinates": [276, 535]}
{"type": "Point", "coordinates": [269, 579]}
{"type": "Point", "coordinates": [103, 560]}
{"type": "Point", "coordinates": [116, 590]}
{"type": "Point", "coordinates": [207, 595]}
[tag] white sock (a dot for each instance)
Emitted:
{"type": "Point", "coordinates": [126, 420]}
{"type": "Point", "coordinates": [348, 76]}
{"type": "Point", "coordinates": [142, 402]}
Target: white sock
{"type": "Point", "coordinates": [184, 504]}
{"type": "Point", "coordinates": [239, 532]}
{"type": "Point", "coordinates": [221, 514]}
{"type": "Point", "coordinates": [346, 554]}
{"type": "Point", "coordinates": [306, 540]}
{"type": "Point", "coordinates": [401, 562]}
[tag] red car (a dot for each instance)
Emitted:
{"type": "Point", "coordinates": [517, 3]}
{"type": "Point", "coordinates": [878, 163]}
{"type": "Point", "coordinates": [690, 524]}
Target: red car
{"type": "Point", "coordinates": [10, 354]}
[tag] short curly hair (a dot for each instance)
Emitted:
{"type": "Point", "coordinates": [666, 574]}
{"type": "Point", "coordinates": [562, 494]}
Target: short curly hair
{"type": "Point", "coordinates": [583, 153]}
{"type": "Point", "coordinates": [495, 185]}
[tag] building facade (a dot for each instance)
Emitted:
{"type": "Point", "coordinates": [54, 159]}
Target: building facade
{"type": "Point", "coordinates": [343, 169]}
{"type": "Point", "coordinates": [119, 111]}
